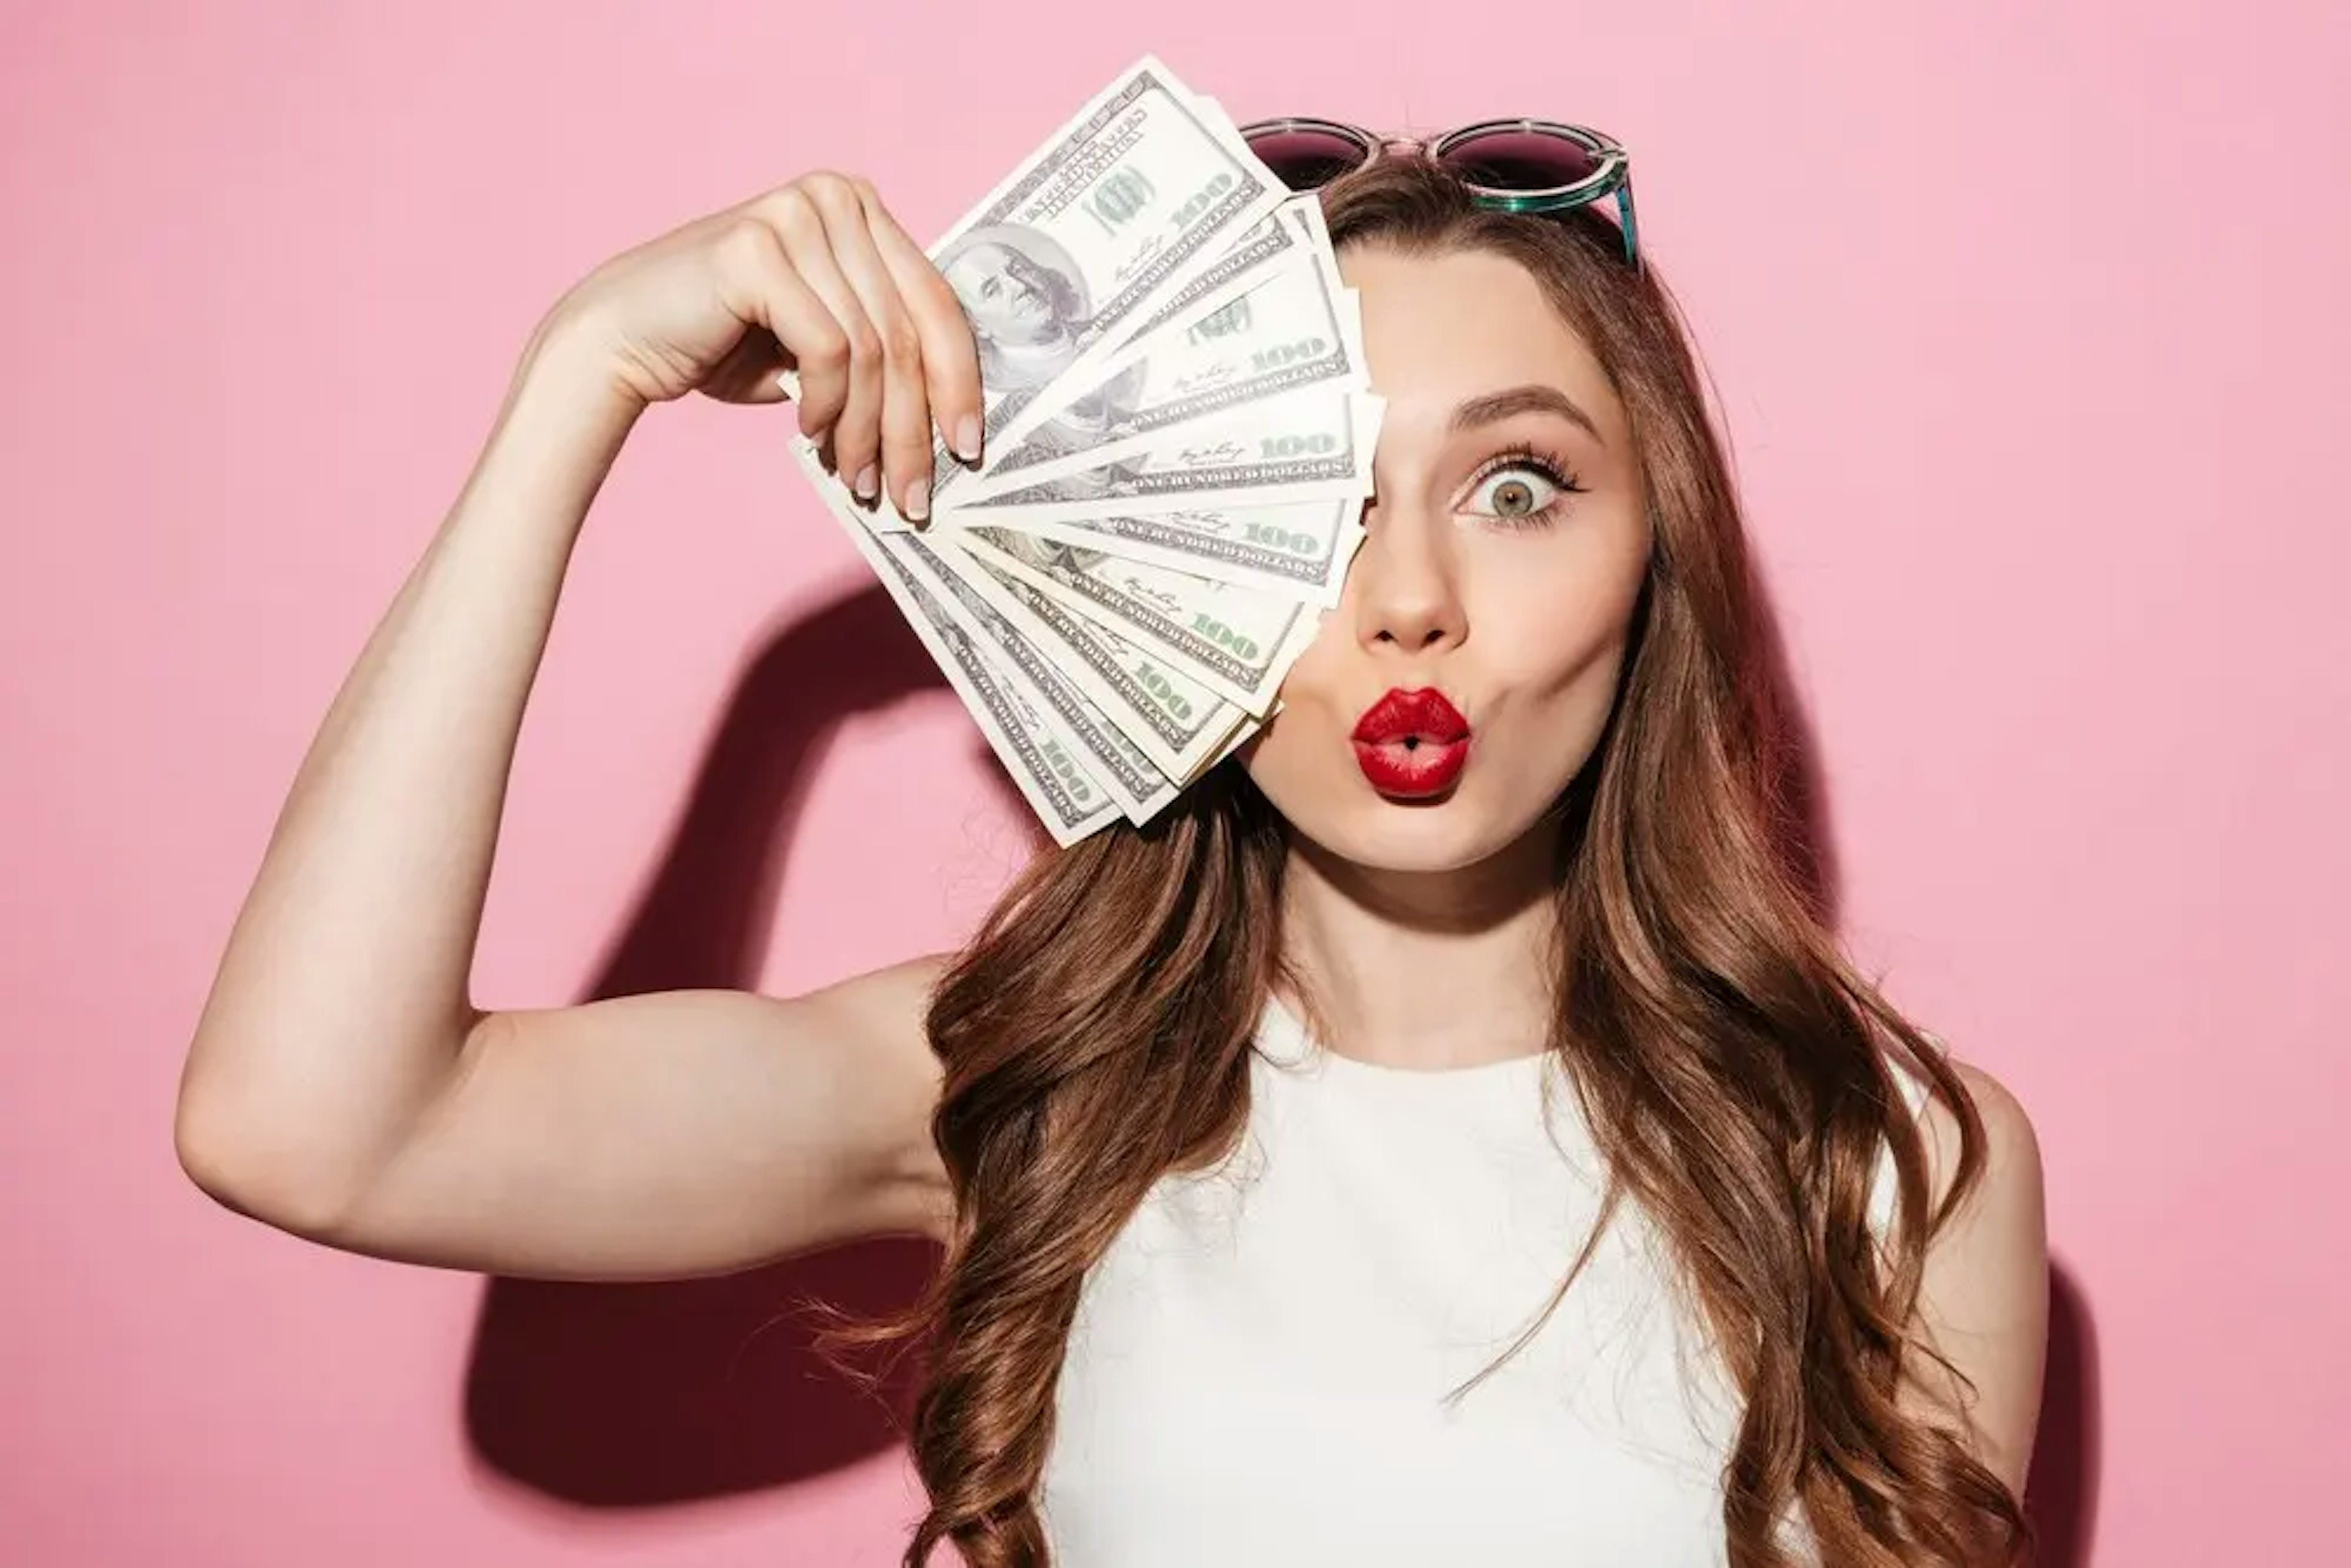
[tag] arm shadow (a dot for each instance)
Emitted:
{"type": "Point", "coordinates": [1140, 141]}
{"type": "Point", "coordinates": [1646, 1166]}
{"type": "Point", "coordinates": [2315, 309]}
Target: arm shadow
{"type": "Point", "coordinates": [620, 1395]}
{"type": "Point", "coordinates": [2062, 1495]}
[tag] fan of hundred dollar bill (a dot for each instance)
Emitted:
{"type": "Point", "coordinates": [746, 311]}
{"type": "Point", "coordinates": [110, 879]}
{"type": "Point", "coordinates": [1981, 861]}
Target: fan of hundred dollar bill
{"type": "Point", "coordinates": [1179, 446]}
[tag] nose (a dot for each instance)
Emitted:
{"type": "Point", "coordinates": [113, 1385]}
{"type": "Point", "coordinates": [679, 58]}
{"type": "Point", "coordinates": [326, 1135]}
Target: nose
{"type": "Point", "coordinates": [1405, 584]}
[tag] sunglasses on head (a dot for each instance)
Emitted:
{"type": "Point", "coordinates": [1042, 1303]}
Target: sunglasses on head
{"type": "Point", "coordinates": [1508, 165]}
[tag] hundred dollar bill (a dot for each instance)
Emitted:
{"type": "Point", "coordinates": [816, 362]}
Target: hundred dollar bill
{"type": "Point", "coordinates": [1237, 642]}
{"type": "Point", "coordinates": [1302, 551]}
{"type": "Point", "coordinates": [1301, 329]}
{"type": "Point", "coordinates": [1138, 193]}
{"type": "Point", "coordinates": [1119, 766]}
{"type": "Point", "coordinates": [1179, 724]}
{"type": "Point", "coordinates": [1311, 445]}
{"type": "Point", "coordinates": [1065, 797]}
{"type": "Point", "coordinates": [1293, 236]}
{"type": "Point", "coordinates": [1293, 326]}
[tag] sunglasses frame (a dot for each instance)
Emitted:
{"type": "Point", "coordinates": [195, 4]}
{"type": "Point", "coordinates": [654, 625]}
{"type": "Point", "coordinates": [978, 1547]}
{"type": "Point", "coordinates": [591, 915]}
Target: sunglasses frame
{"type": "Point", "coordinates": [1612, 173]}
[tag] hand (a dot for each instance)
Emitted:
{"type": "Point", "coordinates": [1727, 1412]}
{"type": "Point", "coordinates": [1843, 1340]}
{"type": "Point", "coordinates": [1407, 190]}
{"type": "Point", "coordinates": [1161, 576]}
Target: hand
{"type": "Point", "coordinates": [816, 277]}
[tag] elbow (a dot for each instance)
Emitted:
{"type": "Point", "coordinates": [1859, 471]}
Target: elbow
{"type": "Point", "coordinates": [244, 1164]}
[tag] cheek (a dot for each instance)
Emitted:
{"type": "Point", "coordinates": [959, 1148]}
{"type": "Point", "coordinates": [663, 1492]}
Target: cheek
{"type": "Point", "coordinates": [1301, 739]}
{"type": "Point", "coordinates": [1554, 646]}
{"type": "Point", "coordinates": [1554, 719]}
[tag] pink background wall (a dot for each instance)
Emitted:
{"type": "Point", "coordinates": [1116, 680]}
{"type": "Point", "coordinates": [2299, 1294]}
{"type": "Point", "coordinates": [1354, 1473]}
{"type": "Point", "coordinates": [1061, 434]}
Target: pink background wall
{"type": "Point", "coordinates": [2029, 325]}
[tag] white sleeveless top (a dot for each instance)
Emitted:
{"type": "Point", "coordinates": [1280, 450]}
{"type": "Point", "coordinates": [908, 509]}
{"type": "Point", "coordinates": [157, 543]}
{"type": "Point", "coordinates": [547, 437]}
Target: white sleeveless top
{"type": "Point", "coordinates": [1258, 1369]}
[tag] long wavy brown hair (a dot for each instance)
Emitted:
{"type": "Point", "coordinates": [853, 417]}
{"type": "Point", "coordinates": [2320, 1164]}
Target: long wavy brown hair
{"type": "Point", "coordinates": [1733, 1066]}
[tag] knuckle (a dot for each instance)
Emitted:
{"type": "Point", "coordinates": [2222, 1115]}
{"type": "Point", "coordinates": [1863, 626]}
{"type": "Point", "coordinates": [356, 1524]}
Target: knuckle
{"type": "Point", "coordinates": [747, 241]}
{"type": "Point", "coordinates": [832, 193]}
{"type": "Point", "coordinates": [792, 212]}
{"type": "Point", "coordinates": [901, 344]}
{"type": "Point", "coordinates": [830, 351]}
{"type": "Point", "coordinates": [864, 344]}
{"type": "Point", "coordinates": [933, 287]}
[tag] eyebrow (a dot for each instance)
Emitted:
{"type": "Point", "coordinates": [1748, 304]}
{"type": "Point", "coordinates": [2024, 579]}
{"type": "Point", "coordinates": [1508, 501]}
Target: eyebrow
{"type": "Point", "coordinates": [1532, 398]}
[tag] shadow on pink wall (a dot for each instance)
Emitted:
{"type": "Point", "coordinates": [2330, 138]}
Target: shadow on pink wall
{"type": "Point", "coordinates": [618, 1396]}
{"type": "Point", "coordinates": [627, 1395]}
{"type": "Point", "coordinates": [2062, 1495]}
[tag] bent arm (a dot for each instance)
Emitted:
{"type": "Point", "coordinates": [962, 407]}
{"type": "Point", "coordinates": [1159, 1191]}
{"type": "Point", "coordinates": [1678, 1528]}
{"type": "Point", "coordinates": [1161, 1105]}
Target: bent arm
{"type": "Point", "coordinates": [342, 1085]}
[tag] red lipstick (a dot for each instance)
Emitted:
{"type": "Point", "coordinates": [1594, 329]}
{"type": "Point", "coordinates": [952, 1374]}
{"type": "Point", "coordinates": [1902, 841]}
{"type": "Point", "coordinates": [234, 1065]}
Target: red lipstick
{"type": "Point", "coordinates": [1412, 745]}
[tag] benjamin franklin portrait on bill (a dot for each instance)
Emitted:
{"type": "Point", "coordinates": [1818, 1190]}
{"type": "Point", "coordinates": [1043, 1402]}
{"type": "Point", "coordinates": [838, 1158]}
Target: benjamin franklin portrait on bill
{"type": "Point", "coordinates": [1026, 303]}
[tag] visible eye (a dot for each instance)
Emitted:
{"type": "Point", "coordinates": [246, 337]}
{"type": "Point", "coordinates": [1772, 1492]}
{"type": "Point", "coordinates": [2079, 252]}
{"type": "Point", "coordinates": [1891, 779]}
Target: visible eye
{"type": "Point", "coordinates": [1521, 489]}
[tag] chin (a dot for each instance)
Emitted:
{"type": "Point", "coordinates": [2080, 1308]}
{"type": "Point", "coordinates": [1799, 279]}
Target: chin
{"type": "Point", "coordinates": [1348, 820]}
{"type": "Point", "coordinates": [1411, 852]}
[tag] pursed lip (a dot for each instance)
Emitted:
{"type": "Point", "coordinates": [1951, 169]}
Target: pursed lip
{"type": "Point", "coordinates": [1412, 745]}
{"type": "Point", "coordinates": [1423, 715]}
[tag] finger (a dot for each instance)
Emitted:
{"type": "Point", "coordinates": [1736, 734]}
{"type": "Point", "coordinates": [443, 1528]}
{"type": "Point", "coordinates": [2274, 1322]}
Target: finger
{"type": "Point", "coordinates": [758, 284]}
{"type": "Point", "coordinates": [857, 431]}
{"type": "Point", "coordinates": [748, 372]}
{"type": "Point", "coordinates": [950, 353]}
{"type": "Point", "coordinates": [908, 457]}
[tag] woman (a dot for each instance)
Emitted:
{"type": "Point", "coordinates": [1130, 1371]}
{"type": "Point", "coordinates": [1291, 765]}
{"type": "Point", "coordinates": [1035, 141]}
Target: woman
{"type": "Point", "coordinates": [1448, 1135]}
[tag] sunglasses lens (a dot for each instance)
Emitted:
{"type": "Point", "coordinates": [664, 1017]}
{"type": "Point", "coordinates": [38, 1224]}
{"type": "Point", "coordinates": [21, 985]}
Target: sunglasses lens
{"type": "Point", "coordinates": [1520, 162]}
{"type": "Point", "coordinates": [1304, 158]}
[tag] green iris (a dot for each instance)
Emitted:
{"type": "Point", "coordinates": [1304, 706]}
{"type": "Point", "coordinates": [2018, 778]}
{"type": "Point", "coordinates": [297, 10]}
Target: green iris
{"type": "Point", "coordinates": [1513, 498]}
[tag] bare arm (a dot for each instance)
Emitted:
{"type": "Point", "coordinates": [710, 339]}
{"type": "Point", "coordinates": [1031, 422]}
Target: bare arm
{"type": "Point", "coordinates": [1984, 1303]}
{"type": "Point", "coordinates": [341, 1084]}
{"type": "Point", "coordinates": [656, 1137]}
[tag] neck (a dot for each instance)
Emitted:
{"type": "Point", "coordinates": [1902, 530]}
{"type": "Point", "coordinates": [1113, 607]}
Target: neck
{"type": "Point", "coordinates": [1427, 970]}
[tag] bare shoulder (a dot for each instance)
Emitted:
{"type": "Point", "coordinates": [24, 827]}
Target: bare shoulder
{"type": "Point", "coordinates": [886, 1005]}
{"type": "Point", "coordinates": [2012, 1177]}
{"type": "Point", "coordinates": [1984, 1299]}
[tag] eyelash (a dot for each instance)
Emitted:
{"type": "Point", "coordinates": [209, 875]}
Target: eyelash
{"type": "Point", "coordinates": [1550, 469]}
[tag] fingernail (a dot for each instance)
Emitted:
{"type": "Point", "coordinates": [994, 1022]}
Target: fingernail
{"type": "Point", "coordinates": [869, 483]}
{"type": "Point", "coordinates": [918, 500]}
{"type": "Point", "coordinates": [966, 438]}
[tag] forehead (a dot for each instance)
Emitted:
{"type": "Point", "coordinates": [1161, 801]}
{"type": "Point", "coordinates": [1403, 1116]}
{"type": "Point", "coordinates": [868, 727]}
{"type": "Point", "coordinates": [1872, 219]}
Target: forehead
{"type": "Point", "coordinates": [1459, 324]}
